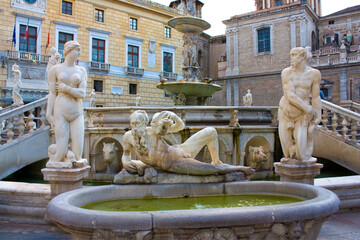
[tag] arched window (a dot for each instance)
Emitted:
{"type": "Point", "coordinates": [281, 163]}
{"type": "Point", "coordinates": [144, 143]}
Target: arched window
{"type": "Point", "coordinates": [313, 41]}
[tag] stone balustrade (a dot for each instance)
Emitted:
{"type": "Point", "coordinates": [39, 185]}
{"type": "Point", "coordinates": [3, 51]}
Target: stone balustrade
{"type": "Point", "coordinates": [27, 56]}
{"type": "Point", "coordinates": [22, 120]}
{"type": "Point", "coordinates": [348, 104]}
{"type": "Point", "coordinates": [335, 59]}
{"type": "Point", "coordinates": [335, 117]}
{"type": "Point", "coordinates": [192, 116]}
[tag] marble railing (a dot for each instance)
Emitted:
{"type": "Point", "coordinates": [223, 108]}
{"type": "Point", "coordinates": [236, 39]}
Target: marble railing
{"type": "Point", "coordinates": [335, 117]}
{"type": "Point", "coordinates": [192, 116]}
{"type": "Point", "coordinates": [22, 120]}
{"type": "Point", "coordinates": [334, 60]}
{"type": "Point", "coordinates": [333, 50]}
{"type": "Point", "coordinates": [27, 56]}
{"type": "Point", "coordinates": [348, 104]}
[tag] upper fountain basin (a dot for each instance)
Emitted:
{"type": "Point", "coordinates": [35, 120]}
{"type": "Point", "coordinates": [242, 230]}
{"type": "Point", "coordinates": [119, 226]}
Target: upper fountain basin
{"type": "Point", "coordinates": [189, 24]}
{"type": "Point", "coordinates": [197, 89]}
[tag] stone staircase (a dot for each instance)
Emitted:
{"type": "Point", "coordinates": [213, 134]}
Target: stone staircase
{"type": "Point", "coordinates": [338, 137]}
{"type": "Point", "coordinates": [24, 136]}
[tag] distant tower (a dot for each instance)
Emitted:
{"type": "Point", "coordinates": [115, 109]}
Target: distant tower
{"type": "Point", "coordinates": [266, 4]}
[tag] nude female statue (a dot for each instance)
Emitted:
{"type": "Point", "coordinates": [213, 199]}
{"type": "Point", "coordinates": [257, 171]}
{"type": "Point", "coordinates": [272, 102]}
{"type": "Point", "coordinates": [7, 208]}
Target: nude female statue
{"type": "Point", "coordinates": [17, 84]}
{"type": "Point", "coordinates": [152, 150]}
{"type": "Point", "coordinates": [67, 88]}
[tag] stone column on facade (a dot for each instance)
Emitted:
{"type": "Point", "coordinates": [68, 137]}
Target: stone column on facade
{"type": "Point", "coordinates": [236, 93]}
{"type": "Point", "coordinates": [228, 57]}
{"type": "Point", "coordinates": [228, 93]}
{"type": "Point", "coordinates": [343, 84]}
{"type": "Point", "coordinates": [303, 31]}
{"type": "Point", "coordinates": [263, 4]}
{"type": "Point", "coordinates": [236, 53]}
{"type": "Point", "coordinates": [292, 21]}
{"type": "Point", "coordinates": [268, 4]}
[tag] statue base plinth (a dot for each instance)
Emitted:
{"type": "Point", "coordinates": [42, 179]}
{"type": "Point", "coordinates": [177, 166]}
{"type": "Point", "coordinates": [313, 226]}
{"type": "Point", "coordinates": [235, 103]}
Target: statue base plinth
{"type": "Point", "coordinates": [293, 170]}
{"type": "Point", "coordinates": [156, 176]}
{"type": "Point", "coordinates": [63, 180]}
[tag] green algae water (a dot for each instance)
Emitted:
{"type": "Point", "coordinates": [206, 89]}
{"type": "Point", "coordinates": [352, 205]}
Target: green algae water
{"type": "Point", "coordinates": [160, 204]}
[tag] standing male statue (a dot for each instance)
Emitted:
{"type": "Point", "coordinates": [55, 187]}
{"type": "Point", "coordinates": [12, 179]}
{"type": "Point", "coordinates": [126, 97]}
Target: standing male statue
{"type": "Point", "coordinates": [298, 115]}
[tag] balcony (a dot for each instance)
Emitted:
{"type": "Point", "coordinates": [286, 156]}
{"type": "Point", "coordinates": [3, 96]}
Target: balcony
{"type": "Point", "coordinates": [135, 71]}
{"type": "Point", "coordinates": [27, 56]}
{"type": "Point", "coordinates": [169, 75]}
{"type": "Point", "coordinates": [98, 66]}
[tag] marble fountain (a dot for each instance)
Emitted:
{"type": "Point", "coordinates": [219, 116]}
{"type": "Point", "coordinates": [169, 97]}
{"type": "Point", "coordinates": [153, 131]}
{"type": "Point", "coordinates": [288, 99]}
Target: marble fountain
{"type": "Point", "coordinates": [190, 178]}
{"type": "Point", "coordinates": [192, 89]}
{"type": "Point", "coordinates": [164, 171]}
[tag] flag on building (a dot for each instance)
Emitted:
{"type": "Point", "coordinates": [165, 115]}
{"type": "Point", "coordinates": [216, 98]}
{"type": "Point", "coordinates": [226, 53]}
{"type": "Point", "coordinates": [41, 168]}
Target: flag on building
{"type": "Point", "coordinates": [14, 35]}
{"type": "Point", "coordinates": [48, 39]}
{"type": "Point", "coordinates": [27, 30]}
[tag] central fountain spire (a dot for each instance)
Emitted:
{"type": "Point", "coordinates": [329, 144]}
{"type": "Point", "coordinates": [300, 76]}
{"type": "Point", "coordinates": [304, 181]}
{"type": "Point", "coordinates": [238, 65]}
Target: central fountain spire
{"type": "Point", "coordinates": [190, 90]}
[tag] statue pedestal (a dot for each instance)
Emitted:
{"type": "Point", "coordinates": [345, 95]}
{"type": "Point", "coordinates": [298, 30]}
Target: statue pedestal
{"type": "Point", "coordinates": [292, 170]}
{"type": "Point", "coordinates": [63, 180]}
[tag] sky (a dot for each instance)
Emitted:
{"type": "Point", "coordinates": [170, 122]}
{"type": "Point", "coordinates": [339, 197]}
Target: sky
{"type": "Point", "coordinates": [215, 11]}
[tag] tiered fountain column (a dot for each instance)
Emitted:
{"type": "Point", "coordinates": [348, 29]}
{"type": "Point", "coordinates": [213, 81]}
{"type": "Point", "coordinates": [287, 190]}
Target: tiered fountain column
{"type": "Point", "coordinates": [190, 90]}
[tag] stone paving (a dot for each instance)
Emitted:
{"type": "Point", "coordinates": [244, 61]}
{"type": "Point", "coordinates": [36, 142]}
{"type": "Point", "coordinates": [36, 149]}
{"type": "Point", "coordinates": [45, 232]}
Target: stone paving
{"type": "Point", "coordinates": [342, 226]}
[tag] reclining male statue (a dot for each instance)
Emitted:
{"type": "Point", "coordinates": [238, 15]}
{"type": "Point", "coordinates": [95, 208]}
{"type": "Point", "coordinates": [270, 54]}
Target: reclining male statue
{"type": "Point", "coordinates": [152, 150]}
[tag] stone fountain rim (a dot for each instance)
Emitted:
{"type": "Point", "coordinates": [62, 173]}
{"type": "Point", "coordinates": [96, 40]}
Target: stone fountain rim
{"type": "Point", "coordinates": [65, 208]}
{"type": "Point", "coordinates": [187, 19]}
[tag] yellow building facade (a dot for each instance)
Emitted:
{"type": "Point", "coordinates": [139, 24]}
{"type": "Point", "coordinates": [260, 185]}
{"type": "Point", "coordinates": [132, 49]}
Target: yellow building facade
{"type": "Point", "coordinates": [126, 47]}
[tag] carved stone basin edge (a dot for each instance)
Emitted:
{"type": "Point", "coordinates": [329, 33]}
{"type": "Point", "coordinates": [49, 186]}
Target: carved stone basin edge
{"type": "Point", "coordinates": [66, 212]}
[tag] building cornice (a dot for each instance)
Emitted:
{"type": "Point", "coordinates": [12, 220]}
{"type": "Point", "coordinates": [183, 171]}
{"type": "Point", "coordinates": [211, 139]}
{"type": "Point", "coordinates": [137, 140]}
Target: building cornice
{"type": "Point", "coordinates": [271, 11]}
{"type": "Point", "coordinates": [28, 16]}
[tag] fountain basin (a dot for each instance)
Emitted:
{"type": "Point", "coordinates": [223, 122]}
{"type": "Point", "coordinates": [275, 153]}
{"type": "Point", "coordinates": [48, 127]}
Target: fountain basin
{"type": "Point", "coordinates": [194, 93]}
{"type": "Point", "coordinates": [291, 221]}
{"type": "Point", "coordinates": [189, 24]}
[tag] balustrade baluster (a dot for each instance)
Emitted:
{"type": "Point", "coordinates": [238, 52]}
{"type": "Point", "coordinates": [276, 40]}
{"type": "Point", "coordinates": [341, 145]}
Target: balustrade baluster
{"type": "Point", "coordinates": [233, 119]}
{"type": "Point", "coordinates": [31, 123]}
{"type": "Point", "coordinates": [10, 128]}
{"type": "Point", "coordinates": [21, 124]}
{"type": "Point", "coordinates": [354, 127]}
{"type": "Point", "coordinates": [42, 115]}
{"type": "Point", "coordinates": [324, 119]}
{"type": "Point", "coordinates": [334, 123]}
{"type": "Point", "coordinates": [344, 129]}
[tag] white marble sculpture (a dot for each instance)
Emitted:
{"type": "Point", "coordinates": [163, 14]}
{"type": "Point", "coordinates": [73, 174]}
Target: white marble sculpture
{"type": "Point", "coordinates": [257, 157]}
{"type": "Point", "coordinates": [138, 100]}
{"type": "Point", "coordinates": [92, 96]}
{"type": "Point", "coordinates": [343, 52]}
{"type": "Point", "coordinates": [55, 58]}
{"type": "Point", "coordinates": [111, 158]}
{"type": "Point", "coordinates": [67, 88]}
{"type": "Point", "coordinates": [17, 99]}
{"type": "Point", "coordinates": [152, 150]}
{"type": "Point", "coordinates": [298, 115]}
{"type": "Point", "coordinates": [247, 99]}
{"type": "Point", "coordinates": [309, 55]}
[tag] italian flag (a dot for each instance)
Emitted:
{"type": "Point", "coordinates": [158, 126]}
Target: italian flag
{"type": "Point", "coordinates": [27, 30]}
